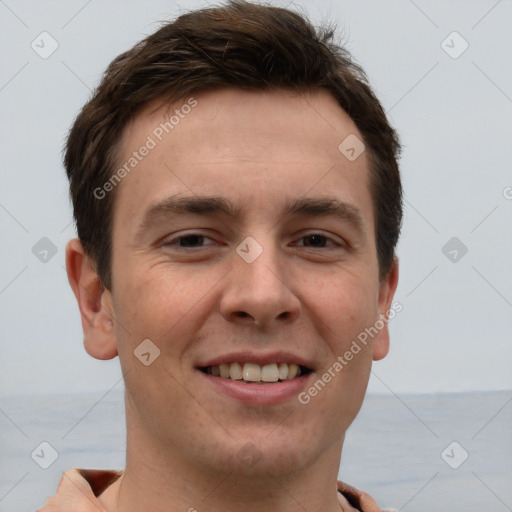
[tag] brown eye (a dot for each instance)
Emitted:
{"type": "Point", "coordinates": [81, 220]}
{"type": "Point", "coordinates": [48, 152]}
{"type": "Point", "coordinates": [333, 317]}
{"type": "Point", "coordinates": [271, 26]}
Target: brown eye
{"type": "Point", "coordinates": [189, 241]}
{"type": "Point", "coordinates": [315, 241]}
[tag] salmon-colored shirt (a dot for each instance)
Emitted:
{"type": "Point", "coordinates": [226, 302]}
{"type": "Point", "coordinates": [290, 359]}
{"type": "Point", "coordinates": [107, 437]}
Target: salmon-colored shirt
{"type": "Point", "coordinates": [79, 488]}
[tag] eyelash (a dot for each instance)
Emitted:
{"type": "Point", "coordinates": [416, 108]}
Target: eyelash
{"type": "Point", "coordinates": [174, 242]}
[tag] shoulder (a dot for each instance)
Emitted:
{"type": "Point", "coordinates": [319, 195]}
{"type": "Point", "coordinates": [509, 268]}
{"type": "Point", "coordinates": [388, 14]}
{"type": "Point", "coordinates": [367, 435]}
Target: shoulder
{"type": "Point", "coordinates": [354, 500]}
{"type": "Point", "coordinates": [78, 490]}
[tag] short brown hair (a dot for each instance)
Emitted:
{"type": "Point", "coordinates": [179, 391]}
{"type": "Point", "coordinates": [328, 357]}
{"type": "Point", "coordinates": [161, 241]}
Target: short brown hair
{"type": "Point", "coordinates": [239, 44]}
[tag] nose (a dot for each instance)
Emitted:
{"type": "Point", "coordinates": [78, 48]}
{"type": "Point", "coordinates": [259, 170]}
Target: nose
{"type": "Point", "coordinates": [260, 293]}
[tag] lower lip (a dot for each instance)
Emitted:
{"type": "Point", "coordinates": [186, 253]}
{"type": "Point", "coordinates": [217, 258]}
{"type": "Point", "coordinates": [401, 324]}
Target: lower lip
{"type": "Point", "coordinates": [247, 392]}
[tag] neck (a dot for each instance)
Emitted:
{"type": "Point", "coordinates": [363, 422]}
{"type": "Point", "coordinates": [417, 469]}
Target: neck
{"type": "Point", "coordinates": [163, 476]}
{"type": "Point", "coordinates": [171, 492]}
{"type": "Point", "coordinates": [160, 481]}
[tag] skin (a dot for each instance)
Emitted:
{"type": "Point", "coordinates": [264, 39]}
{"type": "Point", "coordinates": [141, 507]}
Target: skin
{"type": "Point", "coordinates": [259, 150]}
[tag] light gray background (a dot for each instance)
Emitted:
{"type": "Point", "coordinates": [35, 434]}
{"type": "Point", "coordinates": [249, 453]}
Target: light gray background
{"type": "Point", "coordinates": [454, 116]}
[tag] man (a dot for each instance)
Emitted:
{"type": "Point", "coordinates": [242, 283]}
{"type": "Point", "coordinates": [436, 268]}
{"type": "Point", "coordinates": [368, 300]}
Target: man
{"type": "Point", "coordinates": [238, 201]}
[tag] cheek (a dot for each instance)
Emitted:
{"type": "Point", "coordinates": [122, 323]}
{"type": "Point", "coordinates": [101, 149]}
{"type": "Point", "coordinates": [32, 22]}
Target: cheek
{"type": "Point", "coordinates": [156, 306]}
{"type": "Point", "coordinates": [352, 308]}
{"type": "Point", "coordinates": [347, 306]}
{"type": "Point", "coordinates": [145, 299]}
{"type": "Point", "coordinates": [163, 304]}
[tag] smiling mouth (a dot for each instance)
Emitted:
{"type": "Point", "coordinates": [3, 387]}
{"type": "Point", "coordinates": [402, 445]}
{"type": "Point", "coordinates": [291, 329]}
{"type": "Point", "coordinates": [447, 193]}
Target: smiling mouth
{"type": "Point", "coordinates": [255, 373]}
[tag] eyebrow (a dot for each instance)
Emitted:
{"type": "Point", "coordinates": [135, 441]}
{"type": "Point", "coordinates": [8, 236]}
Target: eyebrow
{"type": "Point", "coordinates": [325, 206]}
{"type": "Point", "coordinates": [215, 205]}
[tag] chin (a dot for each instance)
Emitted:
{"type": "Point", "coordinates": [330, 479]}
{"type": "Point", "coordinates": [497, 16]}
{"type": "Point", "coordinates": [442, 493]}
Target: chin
{"type": "Point", "coordinates": [260, 455]}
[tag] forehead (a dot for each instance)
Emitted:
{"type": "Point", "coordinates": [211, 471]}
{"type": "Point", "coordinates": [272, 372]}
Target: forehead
{"type": "Point", "coordinates": [255, 147]}
{"type": "Point", "coordinates": [289, 119]}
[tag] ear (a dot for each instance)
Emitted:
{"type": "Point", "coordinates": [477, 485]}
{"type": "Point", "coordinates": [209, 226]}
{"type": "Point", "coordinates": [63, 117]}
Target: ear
{"type": "Point", "coordinates": [387, 290]}
{"type": "Point", "coordinates": [94, 302]}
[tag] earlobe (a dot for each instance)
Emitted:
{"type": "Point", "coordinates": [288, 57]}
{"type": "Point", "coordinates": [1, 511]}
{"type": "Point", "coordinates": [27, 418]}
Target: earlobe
{"type": "Point", "coordinates": [386, 293]}
{"type": "Point", "coordinates": [94, 302]}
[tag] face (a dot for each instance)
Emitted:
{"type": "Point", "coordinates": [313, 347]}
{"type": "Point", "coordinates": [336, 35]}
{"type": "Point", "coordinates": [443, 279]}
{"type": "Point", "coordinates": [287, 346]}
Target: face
{"type": "Point", "coordinates": [244, 235]}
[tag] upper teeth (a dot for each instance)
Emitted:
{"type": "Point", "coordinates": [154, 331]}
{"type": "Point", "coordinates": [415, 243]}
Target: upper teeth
{"type": "Point", "coordinates": [252, 372]}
